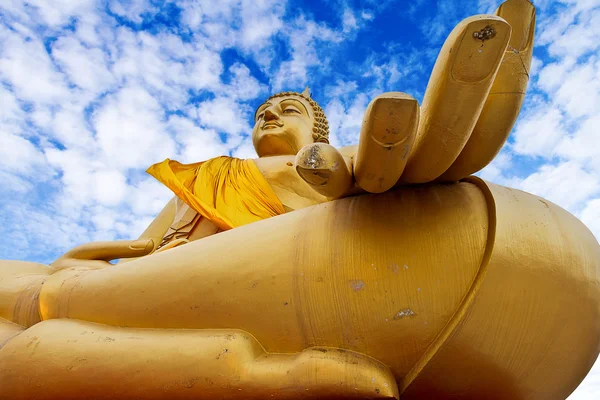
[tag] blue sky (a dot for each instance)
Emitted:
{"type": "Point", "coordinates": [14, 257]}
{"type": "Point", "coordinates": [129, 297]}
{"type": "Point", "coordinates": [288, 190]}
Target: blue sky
{"type": "Point", "coordinates": [93, 92]}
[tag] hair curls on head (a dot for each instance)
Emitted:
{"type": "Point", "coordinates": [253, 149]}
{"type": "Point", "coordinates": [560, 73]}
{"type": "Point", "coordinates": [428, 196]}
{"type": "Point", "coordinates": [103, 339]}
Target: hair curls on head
{"type": "Point", "coordinates": [321, 126]}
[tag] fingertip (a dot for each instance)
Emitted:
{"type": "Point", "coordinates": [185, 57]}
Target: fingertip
{"type": "Point", "coordinates": [481, 48]}
{"type": "Point", "coordinates": [143, 245]}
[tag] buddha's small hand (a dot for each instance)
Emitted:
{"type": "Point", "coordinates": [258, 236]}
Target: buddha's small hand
{"type": "Point", "coordinates": [386, 137]}
{"type": "Point", "coordinates": [325, 169]}
{"type": "Point", "coordinates": [97, 255]}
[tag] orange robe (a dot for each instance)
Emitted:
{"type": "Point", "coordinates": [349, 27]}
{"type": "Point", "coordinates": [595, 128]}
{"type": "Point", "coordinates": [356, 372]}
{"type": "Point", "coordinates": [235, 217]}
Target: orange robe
{"type": "Point", "coordinates": [228, 191]}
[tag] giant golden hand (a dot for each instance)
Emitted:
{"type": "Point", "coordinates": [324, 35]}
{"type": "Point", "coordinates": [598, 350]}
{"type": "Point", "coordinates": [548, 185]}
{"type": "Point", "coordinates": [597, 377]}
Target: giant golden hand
{"type": "Point", "coordinates": [473, 98]}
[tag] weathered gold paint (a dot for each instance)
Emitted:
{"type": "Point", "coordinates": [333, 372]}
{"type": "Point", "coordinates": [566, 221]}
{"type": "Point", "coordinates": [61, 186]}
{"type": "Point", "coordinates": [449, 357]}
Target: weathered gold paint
{"type": "Point", "coordinates": [503, 104]}
{"type": "Point", "coordinates": [386, 137]}
{"type": "Point", "coordinates": [459, 84]}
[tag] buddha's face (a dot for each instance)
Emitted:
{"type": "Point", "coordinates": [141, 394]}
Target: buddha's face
{"type": "Point", "coordinates": [283, 125]}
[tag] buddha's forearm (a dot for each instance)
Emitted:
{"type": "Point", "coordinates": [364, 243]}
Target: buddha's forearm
{"type": "Point", "coordinates": [158, 227]}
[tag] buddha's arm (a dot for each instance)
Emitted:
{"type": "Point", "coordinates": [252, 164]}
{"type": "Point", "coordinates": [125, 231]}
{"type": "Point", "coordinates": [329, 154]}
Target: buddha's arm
{"type": "Point", "coordinates": [96, 255]}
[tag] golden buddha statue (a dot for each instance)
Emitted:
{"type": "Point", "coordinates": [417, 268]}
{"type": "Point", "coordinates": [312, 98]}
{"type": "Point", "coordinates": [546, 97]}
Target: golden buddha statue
{"type": "Point", "coordinates": [377, 271]}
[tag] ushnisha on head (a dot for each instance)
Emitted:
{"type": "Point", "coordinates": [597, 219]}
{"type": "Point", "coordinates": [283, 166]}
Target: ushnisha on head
{"type": "Point", "coordinates": [286, 122]}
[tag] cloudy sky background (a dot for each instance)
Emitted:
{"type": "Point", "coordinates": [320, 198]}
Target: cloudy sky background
{"type": "Point", "coordinates": [92, 92]}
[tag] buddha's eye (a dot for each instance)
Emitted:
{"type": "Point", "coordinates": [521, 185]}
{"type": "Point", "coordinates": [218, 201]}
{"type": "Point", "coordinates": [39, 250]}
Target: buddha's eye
{"type": "Point", "coordinates": [291, 110]}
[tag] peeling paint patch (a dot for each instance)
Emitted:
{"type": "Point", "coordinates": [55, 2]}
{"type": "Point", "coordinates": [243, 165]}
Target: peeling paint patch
{"type": "Point", "coordinates": [357, 285]}
{"type": "Point", "coordinates": [407, 312]}
{"type": "Point", "coordinates": [394, 268]}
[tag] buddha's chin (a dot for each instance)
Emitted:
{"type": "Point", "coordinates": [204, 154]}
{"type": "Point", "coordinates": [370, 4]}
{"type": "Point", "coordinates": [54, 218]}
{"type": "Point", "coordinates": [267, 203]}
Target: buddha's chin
{"type": "Point", "coordinates": [274, 142]}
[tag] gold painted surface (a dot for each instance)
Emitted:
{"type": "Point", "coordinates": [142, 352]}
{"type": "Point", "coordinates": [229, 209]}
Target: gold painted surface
{"type": "Point", "coordinates": [386, 137]}
{"type": "Point", "coordinates": [68, 359]}
{"type": "Point", "coordinates": [503, 104]}
{"type": "Point", "coordinates": [530, 327]}
{"type": "Point", "coordinates": [459, 84]}
{"type": "Point", "coordinates": [325, 169]}
{"type": "Point", "coordinates": [344, 284]}
{"type": "Point", "coordinates": [20, 284]}
{"type": "Point", "coordinates": [8, 330]}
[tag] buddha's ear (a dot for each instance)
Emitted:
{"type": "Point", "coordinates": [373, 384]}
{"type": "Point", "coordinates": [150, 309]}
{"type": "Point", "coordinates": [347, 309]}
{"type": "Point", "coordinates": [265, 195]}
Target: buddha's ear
{"type": "Point", "coordinates": [320, 138]}
{"type": "Point", "coordinates": [306, 92]}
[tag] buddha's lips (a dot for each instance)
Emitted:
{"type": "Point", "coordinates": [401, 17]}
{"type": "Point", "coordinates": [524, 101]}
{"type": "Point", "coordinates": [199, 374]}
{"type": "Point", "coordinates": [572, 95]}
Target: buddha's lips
{"type": "Point", "coordinates": [270, 125]}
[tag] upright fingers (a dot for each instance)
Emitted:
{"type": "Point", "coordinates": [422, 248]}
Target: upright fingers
{"type": "Point", "coordinates": [504, 102]}
{"type": "Point", "coordinates": [387, 135]}
{"type": "Point", "coordinates": [458, 87]}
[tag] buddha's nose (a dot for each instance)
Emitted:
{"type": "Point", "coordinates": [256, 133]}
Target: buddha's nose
{"type": "Point", "coordinates": [270, 114]}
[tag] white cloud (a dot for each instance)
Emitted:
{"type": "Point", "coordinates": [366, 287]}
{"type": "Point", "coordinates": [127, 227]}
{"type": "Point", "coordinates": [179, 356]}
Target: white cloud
{"type": "Point", "coordinates": [224, 114]}
{"type": "Point", "coordinates": [110, 187]}
{"type": "Point", "coordinates": [147, 198]}
{"type": "Point", "coordinates": [85, 67]}
{"type": "Point", "coordinates": [303, 37]}
{"type": "Point", "coordinates": [18, 154]}
{"type": "Point", "coordinates": [247, 24]}
{"type": "Point", "coordinates": [591, 217]}
{"type": "Point", "coordinates": [590, 388]}
{"type": "Point", "coordinates": [243, 85]}
{"type": "Point", "coordinates": [260, 20]}
{"type": "Point", "coordinates": [349, 22]}
{"type": "Point", "coordinates": [583, 144]}
{"type": "Point", "coordinates": [566, 184]}
{"type": "Point", "coordinates": [345, 119]}
{"type": "Point", "coordinates": [494, 171]}
{"type": "Point", "coordinates": [133, 9]}
{"type": "Point", "coordinates": [341, 89]}
{"type": "Point", "coordinates": [51, 13]}
{"type": "Point", "coordinates": [538, 132]}
{"type": "Point", "coordinates": [130, 129]}
{"type": "Point", "coordinates": [27, 67]}
{"type": "Point", "coordinates": [196, 143]}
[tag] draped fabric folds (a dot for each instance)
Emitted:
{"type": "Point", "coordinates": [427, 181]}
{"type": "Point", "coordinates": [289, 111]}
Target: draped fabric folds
{"type": "Point", "coordinates": [228, 191]}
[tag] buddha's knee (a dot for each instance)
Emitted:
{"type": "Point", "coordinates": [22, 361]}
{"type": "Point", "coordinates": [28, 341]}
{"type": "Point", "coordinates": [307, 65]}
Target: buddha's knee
{"type": "Point", "coordinates": [20, 285]}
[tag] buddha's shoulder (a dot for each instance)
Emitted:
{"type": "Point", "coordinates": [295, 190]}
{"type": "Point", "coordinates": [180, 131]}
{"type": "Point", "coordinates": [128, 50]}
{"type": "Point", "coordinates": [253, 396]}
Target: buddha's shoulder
{"type": "Point", "coordinates": [284, 163]}
{"type": "Point", "coordinates": [275, 165]}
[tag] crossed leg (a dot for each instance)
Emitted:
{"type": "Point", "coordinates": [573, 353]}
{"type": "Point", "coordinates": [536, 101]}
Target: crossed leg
{"type": "Point", "coordinates": [64, 358]}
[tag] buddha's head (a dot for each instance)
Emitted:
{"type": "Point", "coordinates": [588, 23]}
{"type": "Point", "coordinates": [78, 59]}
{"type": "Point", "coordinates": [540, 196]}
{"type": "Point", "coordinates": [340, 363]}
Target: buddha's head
{"type": "Point", "coordinates": [286, 122]}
